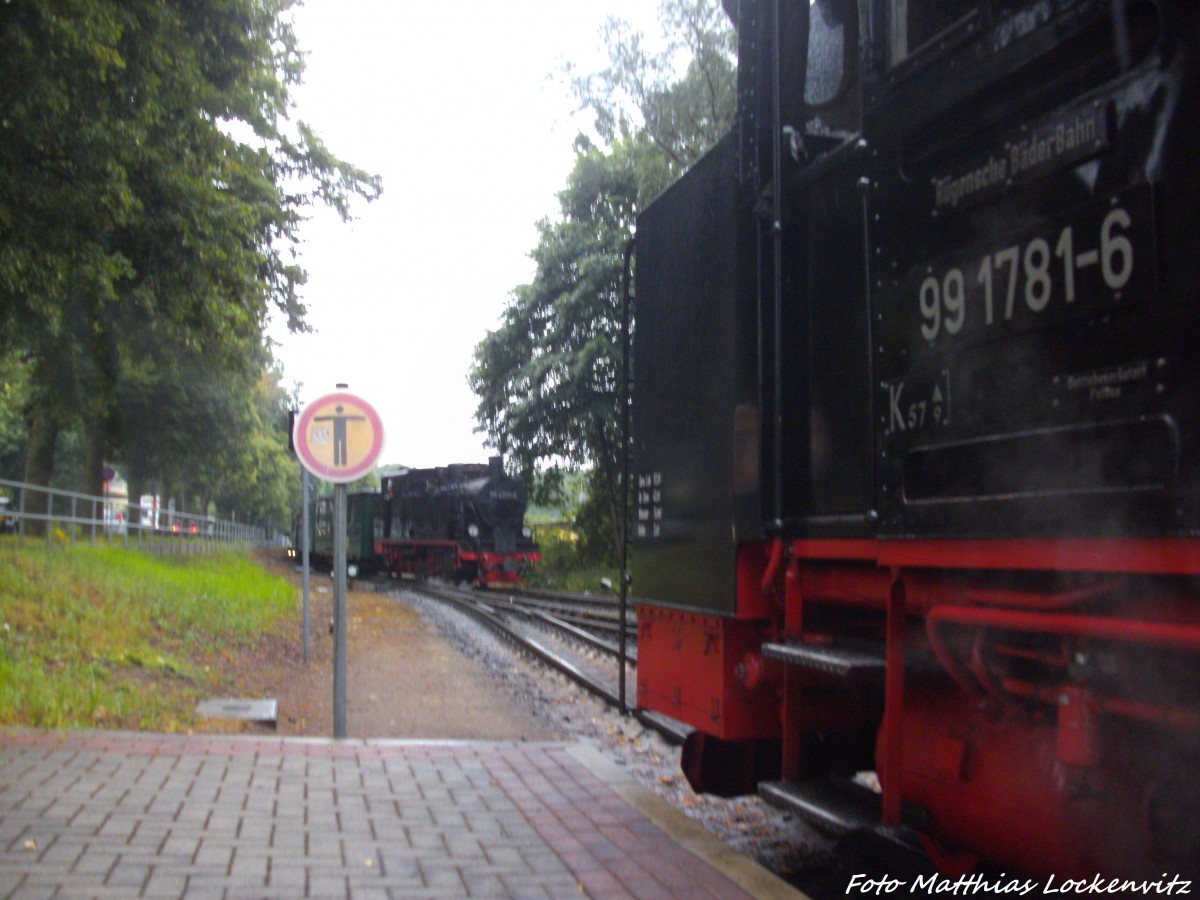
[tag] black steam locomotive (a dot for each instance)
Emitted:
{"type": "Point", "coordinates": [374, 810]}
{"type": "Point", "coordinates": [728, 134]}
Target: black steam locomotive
{"type": "Point", "coordinates": [917, 429]}
{"type": "Point", "coordinates": [464, 523]}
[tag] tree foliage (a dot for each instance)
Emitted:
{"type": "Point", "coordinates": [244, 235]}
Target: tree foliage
{"type": "Point", "coordinates": [151, 189]}
{"type": "Point", "coordinates": [14, 393]}
{"type": "Point", "coordinates": [549, 378]}
{"type": "Point", "coordinates": [642, 91]}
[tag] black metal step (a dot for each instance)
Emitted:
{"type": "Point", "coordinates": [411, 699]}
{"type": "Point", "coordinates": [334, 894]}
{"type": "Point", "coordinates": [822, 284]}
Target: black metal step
{"type": "Point", "coordinates": [842, 660]}
{"type": "Point", "coordinates": [835, 805]}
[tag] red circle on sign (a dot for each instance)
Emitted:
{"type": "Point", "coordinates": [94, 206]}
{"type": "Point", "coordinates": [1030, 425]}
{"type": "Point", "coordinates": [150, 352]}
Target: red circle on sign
{"type": "Point", "coordinates": [351, 470]}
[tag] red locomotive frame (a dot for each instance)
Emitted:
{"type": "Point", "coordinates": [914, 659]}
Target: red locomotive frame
{"type": "Point", "coordinates": [424, 559]}
{"type": "Point", "coordinates": [948, 748]}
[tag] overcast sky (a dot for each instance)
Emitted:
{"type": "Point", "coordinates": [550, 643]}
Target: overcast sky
{"type": "Point", "coordinates": [452, 105]}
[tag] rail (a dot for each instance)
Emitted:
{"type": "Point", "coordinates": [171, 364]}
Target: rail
{"type": "Point", "coordinates": [488, 610]}
{"type": "Point", "coordinates": [597, 612]}
{"type": "Point", "coordinates": [32, 511]}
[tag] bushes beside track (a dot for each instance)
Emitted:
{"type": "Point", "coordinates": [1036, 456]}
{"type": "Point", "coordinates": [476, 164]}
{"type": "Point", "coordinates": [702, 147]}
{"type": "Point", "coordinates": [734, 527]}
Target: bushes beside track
{"type": "Point", "coordinates": [565, 564]}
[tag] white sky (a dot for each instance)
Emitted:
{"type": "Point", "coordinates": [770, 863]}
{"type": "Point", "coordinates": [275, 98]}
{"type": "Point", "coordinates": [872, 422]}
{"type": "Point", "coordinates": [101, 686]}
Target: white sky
{"type": "Point", "coordinates": [451, 104]}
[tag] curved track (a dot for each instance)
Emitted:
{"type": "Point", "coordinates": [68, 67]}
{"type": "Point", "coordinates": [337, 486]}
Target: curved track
{"type": "Point", "coordinates": [558, 639]}
{"type": "Point", "coordinates": [594, 613]}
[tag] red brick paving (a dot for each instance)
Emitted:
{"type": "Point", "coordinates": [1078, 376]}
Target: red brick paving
{"type": "Point", "coordinates": [113, 812]}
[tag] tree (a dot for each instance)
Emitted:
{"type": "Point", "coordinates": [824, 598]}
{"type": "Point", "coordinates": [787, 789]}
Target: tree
{"type": "Point", "coordinates": [640, 90]}
{"type": "Point", "coordinates": [209, 439]}
{"type": "Point", "coordinates": [549, 378]}
{"type": "Point", "coordinates": [258, 480]}
{"type": "Point", "coordinates": [131, 218]}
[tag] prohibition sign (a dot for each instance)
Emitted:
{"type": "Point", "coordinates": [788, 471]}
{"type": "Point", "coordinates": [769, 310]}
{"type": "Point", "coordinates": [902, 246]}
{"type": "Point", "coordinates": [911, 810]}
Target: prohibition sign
{"type": "Point", "coordinates": [338, 437]}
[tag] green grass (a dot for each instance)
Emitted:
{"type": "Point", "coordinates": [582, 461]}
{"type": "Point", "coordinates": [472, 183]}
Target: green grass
{"type": "Point", "coordinates": [93, 635]}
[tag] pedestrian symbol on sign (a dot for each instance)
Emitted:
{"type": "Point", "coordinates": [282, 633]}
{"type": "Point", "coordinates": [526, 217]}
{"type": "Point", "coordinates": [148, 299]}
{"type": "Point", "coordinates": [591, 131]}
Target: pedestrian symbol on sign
{"type": "Point", "coordinates": [339, 433]}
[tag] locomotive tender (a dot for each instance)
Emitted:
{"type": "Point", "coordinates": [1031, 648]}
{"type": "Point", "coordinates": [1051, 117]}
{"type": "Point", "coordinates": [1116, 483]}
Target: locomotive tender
{"type": "Point", "coordinates": [916, 420]}
{"type": "Point", "coordinates": [463, 522]}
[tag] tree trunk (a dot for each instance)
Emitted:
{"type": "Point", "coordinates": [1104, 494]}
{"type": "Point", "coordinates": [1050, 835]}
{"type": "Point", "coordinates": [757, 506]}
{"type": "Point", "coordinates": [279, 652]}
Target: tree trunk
{"type": "Point", "coordinates": [39, 468]}
{"type": "Point", "coordinates": [135, 484]}
{"type": "Point", "coordinates": [166, 508]}
{"type": "Point", "coordinates": [94, 446]}
{"type": "Point", "coordinates": [102, 400]}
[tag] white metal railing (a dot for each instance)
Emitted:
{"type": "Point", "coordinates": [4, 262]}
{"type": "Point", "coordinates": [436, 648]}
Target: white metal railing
{"type": "Point", "coordinates": [71, 516]}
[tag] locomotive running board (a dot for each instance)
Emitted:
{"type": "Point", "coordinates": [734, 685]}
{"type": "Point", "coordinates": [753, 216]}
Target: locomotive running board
{"type": "Point", "coordinates": [850, 813]}
{"type": "Point", "coordinates": [834, 805]}
{"type": "Point", "coordinates": [847, 662]}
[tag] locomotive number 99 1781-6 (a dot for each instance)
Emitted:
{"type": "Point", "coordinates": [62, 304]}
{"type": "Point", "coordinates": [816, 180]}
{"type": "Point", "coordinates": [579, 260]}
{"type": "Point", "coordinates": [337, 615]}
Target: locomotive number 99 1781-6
{"type": "Point", "coordinates": [1043, 274]}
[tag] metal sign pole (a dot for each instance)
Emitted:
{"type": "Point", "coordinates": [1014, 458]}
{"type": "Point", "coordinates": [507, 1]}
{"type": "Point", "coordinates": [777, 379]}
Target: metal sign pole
{"type": "Point", "coordinates": [304, 568]}
{"type": "Point", "coordinates": [339, 611]}
{"type": "Point", "coordinates": [338, 438]}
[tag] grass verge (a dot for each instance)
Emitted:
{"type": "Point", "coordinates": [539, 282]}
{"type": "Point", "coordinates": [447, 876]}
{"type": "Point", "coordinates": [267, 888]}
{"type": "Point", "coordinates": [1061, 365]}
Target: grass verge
{"type": "Point", "coordinates": [111, 637]}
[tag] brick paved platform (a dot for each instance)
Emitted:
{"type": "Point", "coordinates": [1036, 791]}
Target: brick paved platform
{"type": "Point", "coordinates": [100, 814]}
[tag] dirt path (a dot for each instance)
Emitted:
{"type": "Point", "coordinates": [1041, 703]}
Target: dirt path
{"type": "Point", "coordinates": [404, 680]}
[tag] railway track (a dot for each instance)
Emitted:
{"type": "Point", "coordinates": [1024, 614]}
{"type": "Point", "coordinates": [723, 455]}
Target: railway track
{"type": "Point", "coordinates": [593, 613]}
{"type": "Point", "coordinates": [572, 637]}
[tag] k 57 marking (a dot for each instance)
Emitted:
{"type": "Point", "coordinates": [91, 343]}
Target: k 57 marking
{"type": "Point", "coordinates": [917, 402]}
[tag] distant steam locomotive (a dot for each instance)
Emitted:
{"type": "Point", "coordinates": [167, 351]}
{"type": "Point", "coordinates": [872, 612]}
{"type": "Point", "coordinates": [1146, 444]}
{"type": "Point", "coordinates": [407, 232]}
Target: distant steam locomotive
{"type": "Point", "coordinates": [464, 523]}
